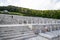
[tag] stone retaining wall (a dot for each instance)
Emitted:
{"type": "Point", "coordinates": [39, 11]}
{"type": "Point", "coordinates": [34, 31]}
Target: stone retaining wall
{"type": "Point", "coordinates": [14, 19]}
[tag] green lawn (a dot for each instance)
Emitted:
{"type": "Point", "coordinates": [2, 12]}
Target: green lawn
{"type": "Point", "coordinates": [13, 13]}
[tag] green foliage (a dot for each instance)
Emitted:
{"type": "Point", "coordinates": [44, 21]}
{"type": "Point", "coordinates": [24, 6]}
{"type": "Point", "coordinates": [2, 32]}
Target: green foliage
{"type": "Point", "coordinates": [30, 12]}
{"type": "Point", "coordinates": [15, 13]}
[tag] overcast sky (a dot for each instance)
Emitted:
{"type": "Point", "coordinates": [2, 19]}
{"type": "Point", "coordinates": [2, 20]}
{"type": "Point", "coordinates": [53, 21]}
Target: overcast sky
{"type": "Point", "coordinates": [33, 4]}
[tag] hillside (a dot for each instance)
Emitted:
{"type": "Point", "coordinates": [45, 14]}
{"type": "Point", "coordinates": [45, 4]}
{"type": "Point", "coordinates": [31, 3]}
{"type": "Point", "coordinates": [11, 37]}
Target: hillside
{"type": "Point", "coordinates": [13, 10]}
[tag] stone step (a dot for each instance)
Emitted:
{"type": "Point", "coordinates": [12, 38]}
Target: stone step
{"type": "Point", "coordinates": [16, 36]}
{"type": "Point", "coordinates": [23, 37]}
{"type": "Point", "coordinates": [9, 33]}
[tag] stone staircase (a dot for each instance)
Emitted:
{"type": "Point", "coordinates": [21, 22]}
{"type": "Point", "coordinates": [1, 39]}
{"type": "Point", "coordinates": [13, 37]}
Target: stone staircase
{"type": "Point", "coordinates": [15, 33]}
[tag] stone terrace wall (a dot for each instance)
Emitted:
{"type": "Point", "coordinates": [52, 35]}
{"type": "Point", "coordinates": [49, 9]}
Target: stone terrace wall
{"type": "Point", "coordinates": [14, 19]}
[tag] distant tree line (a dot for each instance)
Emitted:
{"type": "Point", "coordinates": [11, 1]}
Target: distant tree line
{"type": "Point", "coordinates": [30, 12]}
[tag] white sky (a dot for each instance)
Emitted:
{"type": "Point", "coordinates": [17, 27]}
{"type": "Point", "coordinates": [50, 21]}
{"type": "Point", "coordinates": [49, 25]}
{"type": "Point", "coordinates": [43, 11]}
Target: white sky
{"type": "Point", "coordinates": [33, 4]}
